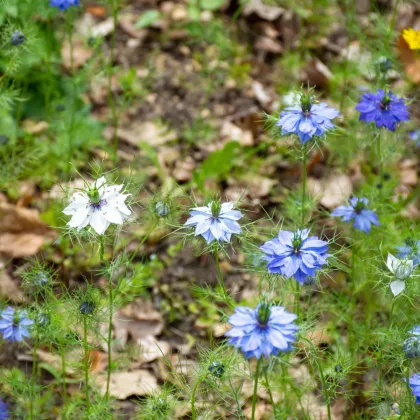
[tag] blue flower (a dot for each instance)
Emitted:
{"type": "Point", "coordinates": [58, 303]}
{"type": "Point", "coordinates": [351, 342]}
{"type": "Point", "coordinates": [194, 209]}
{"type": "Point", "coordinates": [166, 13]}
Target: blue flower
{"type": "Point", "coordinates": [215, 221]}
{"type": "Point", "coordinates": [410, 250]}
{"type": "Point", "coordinates": [307, 119]}
{"type": "Point", "coordinates": [357, 211]}
{"type": "Point", "coordinates": [63, 4]}
{"type": "Point", "coordinates": [295, 254]}
{"type": "Point", "coordinates": [414, 383]}
{"type": "Point", "coordinates": [4, 412]}
{"type": "Point", "coordinates": [14, 325]}
{"type": "Point", "coordinates": [415, 135]}
{"type": "Point", "coordinates": [265, 330]}
{"type": "Point", "coordinates": [384, 109]}
{"type": "Point", "coordinates": [411, 347]}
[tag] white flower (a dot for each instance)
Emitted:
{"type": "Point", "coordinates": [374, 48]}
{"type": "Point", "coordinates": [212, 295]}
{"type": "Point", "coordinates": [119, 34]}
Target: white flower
{"type": "Point", "coordinates": [402, 270]}
{"type": "Point", "coordinates": [98, 206]}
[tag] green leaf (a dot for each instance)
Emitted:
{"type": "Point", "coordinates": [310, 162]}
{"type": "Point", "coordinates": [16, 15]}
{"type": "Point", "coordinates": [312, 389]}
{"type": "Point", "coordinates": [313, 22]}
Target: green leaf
{"type": "Point", "coordinates": [147, 19]}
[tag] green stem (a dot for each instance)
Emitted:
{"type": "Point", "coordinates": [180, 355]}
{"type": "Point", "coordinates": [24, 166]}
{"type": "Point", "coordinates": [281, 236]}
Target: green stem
{"type": "Point", "coordinates": [267, 385]}
{"type": "Point", "coordinates": [145, 238]}
{"type": "Point", "coordinates": [394, 15]}
{"type": "Point", "coordinates": [73, 99]}
{"type": "Point", "coordinates": [110, 309]}
{"type": "Point", "coordinates": [101, 248]}
{"type": "Point", "coordinates": [63, 376]}
{"type": "Point", "coordinates": [304, 163]}
{"type": "Point", "coordinates": [33, 376]}
{"type": "Point", "coordinates": [254, 395]}
{"type": "Point", "coordinates": [86, 361]}
{"type": "Point", "coordinates": [297, 299]}
{"type": "Point", "coordinates": [220, 278]}
{"type": "Point", "coordinates": [111, 101]}
{"type": "Point", "coordinates": [322, 377]}
{"type": "Point", "coordinates": [236, 393]}
{"type": "Point", "coordinates": [193, 398]}
{"type": "Point", "coordinates": [379, 153]}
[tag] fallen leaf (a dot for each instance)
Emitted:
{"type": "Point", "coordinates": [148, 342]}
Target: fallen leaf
{"type": "Point", "coordinates": [34, 127]}
{"type": "Point", "coordinates": [137, 320]}
{"type": "Point", "coordinates": [331, 192]}
{"type": "Point", "coordinates": [9, 288]}
{"type": "Point", "coordinates": [147, 132]}
{"type": "Point", "coordinates": [126, 384]}
{"type": "Point", "coordinates": [22, 233]}
{"type": "Point", "coordinates": [231, 132]}
{"type": "Point", "coordinates": [152, 349]}
{"type": "Point", "coordinates": [317, 73]}
{"type": "Point", "coordinates": [262, 10]}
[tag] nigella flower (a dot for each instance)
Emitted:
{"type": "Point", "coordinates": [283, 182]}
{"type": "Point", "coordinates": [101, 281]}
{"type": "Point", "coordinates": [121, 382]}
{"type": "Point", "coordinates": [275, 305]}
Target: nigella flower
{"type": "Point", "coordinates": [265, 330]}
{"type": "Point", "coordinates": [307, 119]}
{"type": "Point", "coordinates": [402, 270]}
{"type": "Point", "coordinates": [411, 345]}
{"type": "Point", "coordinates": [384, 109]}
{"type": "Point", "coordinates": [98, 206]}
{"type": "Point", "coordinates": [14, 325]}
{"type": "Point", "coordinates": [4, 412]}
{"type": "Point", "coordinates": [414, 383]}
{"type": "Point", "coordinates": [295, 254]}
{"type": "Point", "coordinates": [63, 4]}
{"type": "Point", "coordinates": [357, 211]}
{"type": "Point", "coordinates": [411, 250]}
{"type": "Point", "coordinates": [215, 221]}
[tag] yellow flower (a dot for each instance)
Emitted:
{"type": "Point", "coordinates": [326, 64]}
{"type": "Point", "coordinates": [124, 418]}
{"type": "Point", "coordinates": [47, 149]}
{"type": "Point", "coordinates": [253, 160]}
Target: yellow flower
{"type": "Point", "coordinates": [412, 38]}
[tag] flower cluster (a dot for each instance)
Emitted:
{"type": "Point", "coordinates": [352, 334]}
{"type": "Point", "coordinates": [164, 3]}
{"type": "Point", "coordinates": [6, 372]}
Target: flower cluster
{"type": "Point", "coordinates": [384, 109]}
{"type": "Point", "coordinates": [263, 331]}
{"type": "Point", "coordinates": [215, 222]}
{"type": "Point", "coordinates": [98, 206]}
{"type": "Point", "coordinates": [362, 217]}
{"type": "Point", "coordinates": [295, 254]}
{"type": "Point", "coordinates": [307, 119]}
{"type": "Point", "coordinates": [14, 325]}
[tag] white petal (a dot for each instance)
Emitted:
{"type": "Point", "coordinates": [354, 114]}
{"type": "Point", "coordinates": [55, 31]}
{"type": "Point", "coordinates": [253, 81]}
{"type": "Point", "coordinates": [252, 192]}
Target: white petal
{"type": "Point", "coordinates": [78, 218]}
{"type": "Point", "coordinates": [112, 215]}
{"type": "Point", "coordinates": [99, 223]}
{"type": "Point", "coordinates": [392, 263]}
{"type": "Point", "coordinates": [397, 286]}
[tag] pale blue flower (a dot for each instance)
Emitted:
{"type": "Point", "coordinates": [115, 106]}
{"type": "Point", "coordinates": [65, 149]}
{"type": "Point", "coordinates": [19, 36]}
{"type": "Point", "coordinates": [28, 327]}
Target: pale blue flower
{"type": "Point", "coordinates": [215, 222]}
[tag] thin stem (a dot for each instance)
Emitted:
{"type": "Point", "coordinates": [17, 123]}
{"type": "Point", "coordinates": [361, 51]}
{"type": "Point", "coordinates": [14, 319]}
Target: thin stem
{"type": "Point", "coordinates": [145, 238]}
{"type": "Point", "coordinates": [304, 162]}
{"type": "Point", "coordinates": [109, 342]}
{"type": "Point", "coordinates": [322, 377]}
{"type": "Point", "coordinates": [379, 153]}
{"type": "Point", "coordinates": [236, 392]}
{"type": "Point", "coordinates": [297, 298]}
{"type": "Point", "coordinates": [63, 376]}
{"type": "Point", "coordinates": [267, 385]}
{"type": "Point", "coordinates": [254, 395]}
{"type": "Point", "coordinates": [193, 398]}
{"type": "Point", "coordinates": [394, 15]}
{"type": "Point", "coordinates": [33, 376]}
{"type": "Point", "coordinates": [86, 361]}
{"type": "Point", "coordinates": [101, 248]}
{"type": "Point", "coordinates": [220, 276]}
{"type": "Point", "coordinates": [111, 101]}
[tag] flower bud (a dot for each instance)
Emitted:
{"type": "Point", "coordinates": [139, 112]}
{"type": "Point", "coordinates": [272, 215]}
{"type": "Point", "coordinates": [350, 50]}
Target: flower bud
{"type": "Point", "coordinates": [217, 369]}
{"type": "Point", "coordinates": [18, 38]}
{"type": "Point", "coordinates": [87, 307]}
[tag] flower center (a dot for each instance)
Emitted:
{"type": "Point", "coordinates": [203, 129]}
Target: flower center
{"type": "Point", "coordinates": [98, 205]}
{"type": "Point", "coordinates": [215, 207]}
{"type": "Point", "coordinates": [360, 205]}
{"type": "Point", "coordinates": [263, 314]}
{"type": "Point", "coordinates": [16, 320]}
{"type": "Point", "coordinates": [297, 242]}
{"type": "Point", "coordinates": [386, 100]}
{"type": "Point", "coordinates": [306, 104]}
